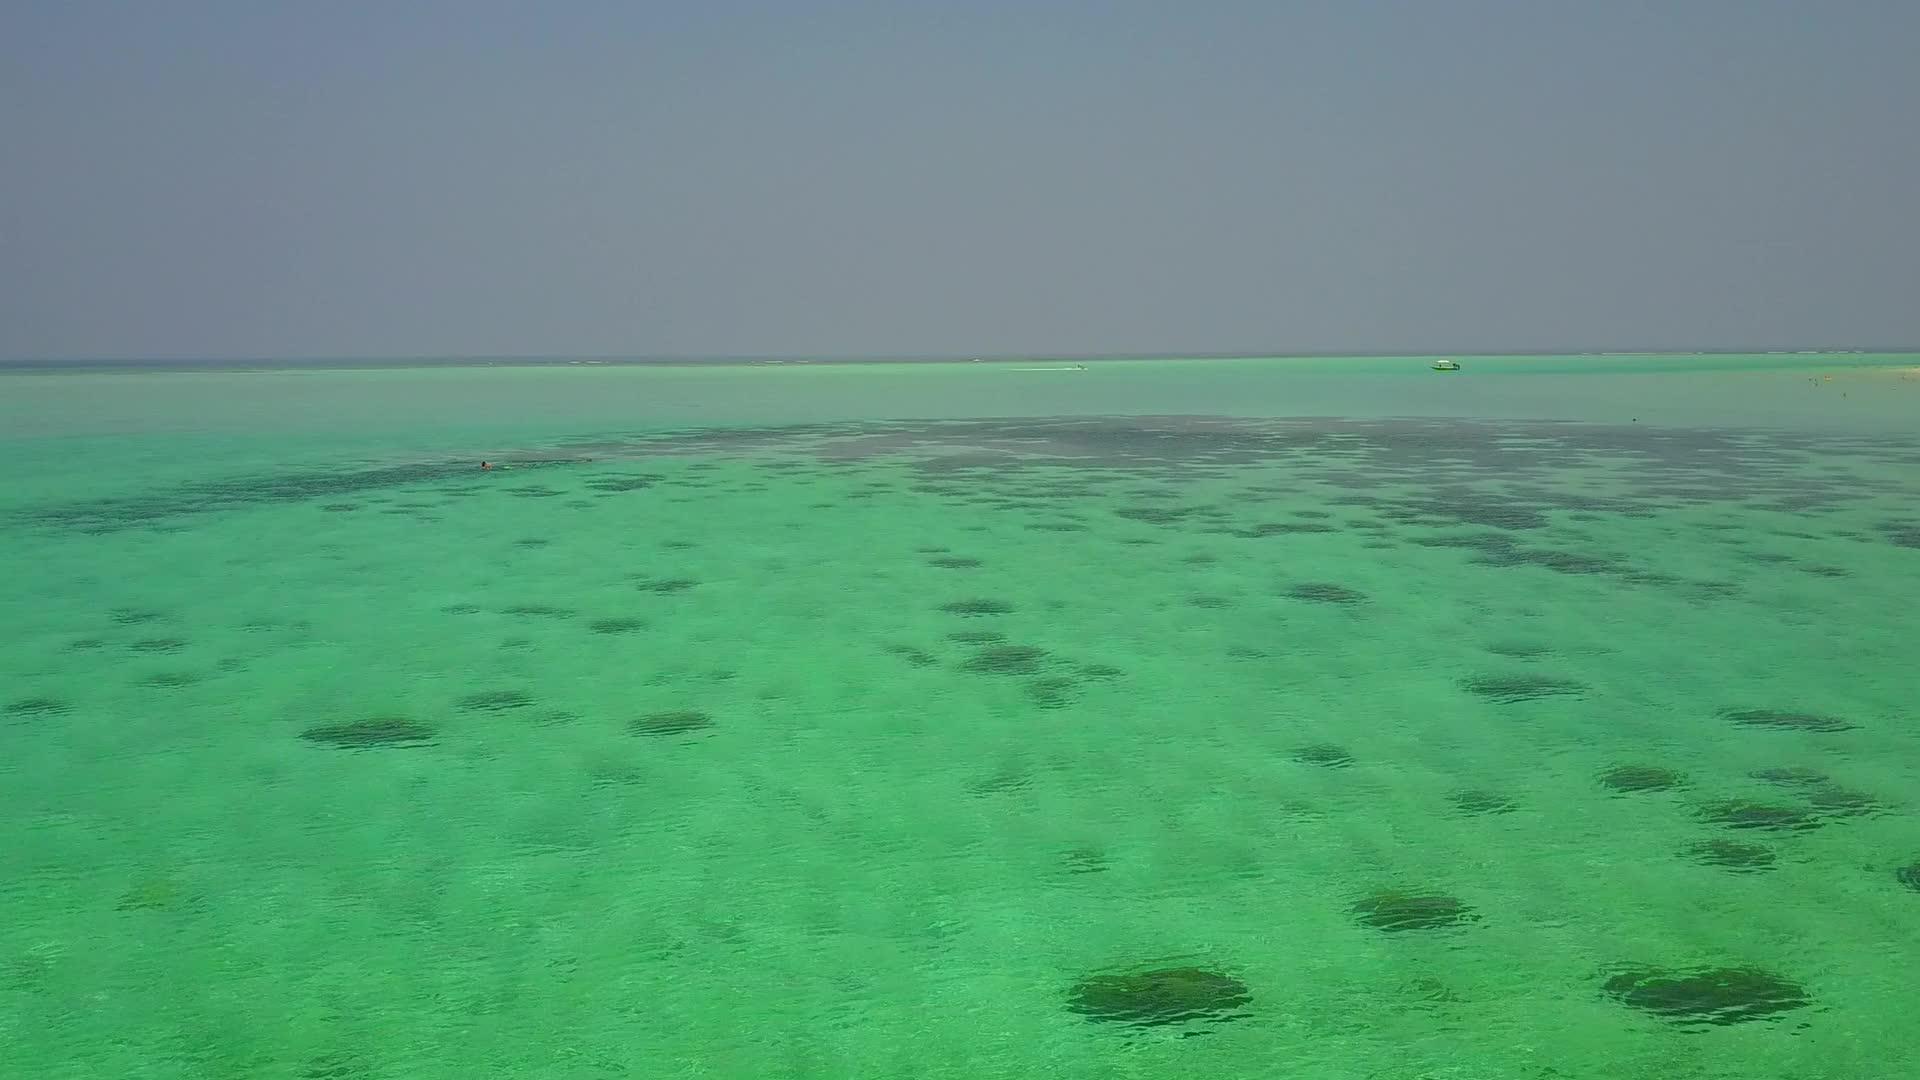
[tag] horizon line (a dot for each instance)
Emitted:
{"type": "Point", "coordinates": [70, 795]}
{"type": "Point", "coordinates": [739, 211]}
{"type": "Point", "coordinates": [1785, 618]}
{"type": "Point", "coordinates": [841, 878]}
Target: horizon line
{"type": "Point", "coordinates": [665, 358]}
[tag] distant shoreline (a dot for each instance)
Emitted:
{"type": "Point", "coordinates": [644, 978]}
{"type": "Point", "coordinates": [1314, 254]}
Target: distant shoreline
{"type": "Point", "coordinates": [456, 362]}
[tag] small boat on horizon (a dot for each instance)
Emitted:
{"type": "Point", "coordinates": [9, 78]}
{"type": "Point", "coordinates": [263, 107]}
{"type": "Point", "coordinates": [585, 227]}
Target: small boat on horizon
{"type": "Point", "coordinates": [1446, 365]}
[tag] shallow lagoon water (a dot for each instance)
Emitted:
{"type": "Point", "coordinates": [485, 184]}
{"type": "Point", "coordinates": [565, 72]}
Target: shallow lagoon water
{"type": "Point", "coordinates": [1224, 718]}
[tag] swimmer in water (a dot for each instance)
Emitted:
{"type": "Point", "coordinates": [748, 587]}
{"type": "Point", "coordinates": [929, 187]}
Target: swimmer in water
{"type": "Point", "coordinates": [485, 465]}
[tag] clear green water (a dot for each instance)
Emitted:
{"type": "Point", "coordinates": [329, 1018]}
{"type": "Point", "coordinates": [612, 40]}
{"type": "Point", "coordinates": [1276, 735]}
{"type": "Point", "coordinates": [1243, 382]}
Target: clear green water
{"type": "Point", "coordinates": [861, 720]}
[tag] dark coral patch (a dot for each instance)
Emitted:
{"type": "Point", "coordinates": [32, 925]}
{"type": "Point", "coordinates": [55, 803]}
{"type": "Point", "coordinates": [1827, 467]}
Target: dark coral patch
{"type": "Point", "coordinates": [1283, 528]}
{"type": "Point", "coordinates": [1159, 997]}
{"type": "Point", "coordinates": [1326, 593]}
{"type": "Point", "coordinates": [1909, 875]}
{"type": "Point", "coordinates": [495, 701]}
{"type": "Point", "coordinates": [1794, 721]}
{"type": "Point", "coordinates": [954, 562]}
{"type": "Point", "coordinates": [158, 645]}
{"type": "Point", "coordinates": [976, 637]}
{"type": "Point", "coordinates": [1154, 515]}
{"type": "Point", "coordinates": [1483, 802]}
{"type": "Point", "coordinates": [978, 606]}
{"type": "Point", "coordinates": [335, 1066]}
{"type": "Point", "coordinates": [379, 731]}
{"type": "Point", "coordinates": [675, 722]}
{"type": "Point", "coordinates": [1393, 910]}
{"type": "Point", "coordinates": [1520, 650]}
{"type": "Point", "coordinates": [233, 493]}
{"type": "Point", "coordinates": [173, 680]}
{"type": "Point", "coordinates": [616, 625]}
{"type": "Point", "coordinates": [1740, 814]}
{"type": "Point", "coordinates": [1791, 775]}
{"type": "Point", "coordinates": [1006, 660]}
{"type": "Point", "coordinates": [1326, 755]}
{"type": "Point", "coordinates": [622, 483]}
{"type": "Point", "coordinates": [37, 706]}
{"type": "Point", "coordinates": [915, 656]}
{"type": "Point", "coordinates": [1485, 509]}
{"type": "Point", "coordinates": [1639, 778]}
{"type": "Point", "coordinates": [1511, 689]}
{"type": "Point", "coordinates": [667, 585]}
{"type": "Point", "coordinates": [545, 611]}
{"type": "Point", "coordinates": [1007, 778]}
{"type": "Point", "coordinates": [1707, 997]}
{"type": "Point", "coordinates": [1832, 800]}
{"type": "Point", "coordinates": [1053, 693]}
{"type": "Point", "coordinates": [1565, 562]}
{"type": "Point", "coordinates": [1085, 860]}
{"type": "Point", "coordinates": [1732, 855]}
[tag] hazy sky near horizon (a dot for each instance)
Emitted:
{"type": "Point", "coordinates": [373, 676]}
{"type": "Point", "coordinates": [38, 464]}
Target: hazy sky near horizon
{"type": "Point", "coordinates": [248, 179]}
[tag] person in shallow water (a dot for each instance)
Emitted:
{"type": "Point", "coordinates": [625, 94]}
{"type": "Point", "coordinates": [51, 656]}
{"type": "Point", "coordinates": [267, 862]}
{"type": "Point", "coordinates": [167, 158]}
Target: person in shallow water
{"type": "Point", "coordinates": [486, 465]}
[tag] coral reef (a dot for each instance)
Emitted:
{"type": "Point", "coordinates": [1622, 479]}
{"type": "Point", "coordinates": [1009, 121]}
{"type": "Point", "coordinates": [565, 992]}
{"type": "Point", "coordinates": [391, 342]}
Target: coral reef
{"type": "Point", "coordinates": [1159, 997]}
{"type": "Point", "coordinates": [1707, 996]}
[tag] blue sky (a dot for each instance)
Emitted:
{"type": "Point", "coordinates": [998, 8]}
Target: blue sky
{"type": "Point", "coordinates": [863, 178]}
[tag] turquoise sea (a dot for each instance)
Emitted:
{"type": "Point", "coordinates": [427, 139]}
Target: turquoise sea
{"type": "Point", "coordinates": [1553, 719]}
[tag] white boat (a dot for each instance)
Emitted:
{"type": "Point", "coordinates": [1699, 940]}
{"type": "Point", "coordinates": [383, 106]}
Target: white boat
{"type": "Point", "coordinates": [1446, 365]}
